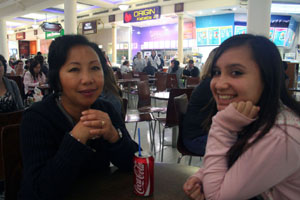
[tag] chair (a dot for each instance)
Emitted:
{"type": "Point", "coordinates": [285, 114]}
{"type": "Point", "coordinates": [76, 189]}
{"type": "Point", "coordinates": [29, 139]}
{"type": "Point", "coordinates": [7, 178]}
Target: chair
{"type": "Point", "coordinates": [144, 99]}
{"type": "Point", "coordinates": [12, 160]}
{"type": "Point", "coordinates": [19, 81]}
{"type": "Point", "coordinates": [161, 81]}
{"type": "Point", "coordinates": [192, 81]}
{"type": "Point", "coordinates": [8, 119]}
{"type": "Point", "coordinates": [181, 104]}
{"type": "Point", "coordinates": [170, 120]}
{"type": "Point", "coordinates": [171, 81]}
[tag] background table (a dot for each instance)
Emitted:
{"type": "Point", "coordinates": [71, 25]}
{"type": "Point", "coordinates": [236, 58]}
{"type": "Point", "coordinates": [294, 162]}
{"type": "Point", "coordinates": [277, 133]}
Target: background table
{"type": "Point", "coordinates": [117, 185]}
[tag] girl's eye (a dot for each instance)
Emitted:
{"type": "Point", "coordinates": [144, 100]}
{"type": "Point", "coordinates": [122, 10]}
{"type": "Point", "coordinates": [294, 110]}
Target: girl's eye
{"type": "Point", "coordinates": [236, 73]}
{"type": "Point", "coordinates": [216, 72]}
{"type": "Point", "coordinates": [96, 68]}
{"type": "Point", "coordinates": [74, 69]}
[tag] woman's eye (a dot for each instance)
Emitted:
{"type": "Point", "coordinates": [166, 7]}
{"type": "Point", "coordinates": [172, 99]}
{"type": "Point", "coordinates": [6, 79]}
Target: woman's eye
{"type": "Point", "coordinates": [216, 73]}
{"type": "Point", "coordinates": [236, 73]}
{"type": "Point", "coordinates": [74, 69]}
{"type": "Point", "coordinates": [96, 68]}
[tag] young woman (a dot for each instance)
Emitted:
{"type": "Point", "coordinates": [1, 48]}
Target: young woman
{"type": "Point", "coordinates": [125, 67]}
{"type": "Point", "coordinates": [176, 69]}
{"type": "Point", "coordinates": [34, 77]}
{"type": "Point", "coordinates": [253, 148]}
{"type": "Point", "coordinates": [70, 134]}
{"type": "Point", "coordinates": [111, 91]}
{"type": "Point", "coordinates": [10, 97]}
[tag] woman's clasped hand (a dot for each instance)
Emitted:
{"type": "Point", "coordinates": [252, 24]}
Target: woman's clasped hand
{"type": "Point", "coordinates": [94, 124]}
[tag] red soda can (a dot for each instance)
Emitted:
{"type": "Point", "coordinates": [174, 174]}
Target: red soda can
{"type": "Point", "coordinates": [143, 179]}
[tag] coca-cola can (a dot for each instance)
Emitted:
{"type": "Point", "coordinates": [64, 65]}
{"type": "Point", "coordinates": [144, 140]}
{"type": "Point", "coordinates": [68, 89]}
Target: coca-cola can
{"type": "Point", "coordinates": [143, 179]}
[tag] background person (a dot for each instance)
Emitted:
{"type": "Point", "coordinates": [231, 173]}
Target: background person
{"type": "Point", "coordinates": [194, 130]}
{"type": "Point", "coordinates": [10, 97]}
{"type": "Point", "coordinates": [111, 91]}
{"type": "Point", "coordinates": [257, 122]}
{"type": "Point", "coordinates": [139, 63]}
{"type": "Point", "coordinates": [149, 69]}
{"type": "Point", "coordinates": [176, 69]}
{"type": "Point", "coordinates": [34, 77]}
{"type": "Point", "coordinates": [19, 68]}
{"type": "Point", "coordinates": [154, 59]}
{"type": "Point", "coordinates": [71, 134]}
{"type": "Point", "coordinates": [125, 67]}
{"type": "Point", "coordinates": [191, 70]}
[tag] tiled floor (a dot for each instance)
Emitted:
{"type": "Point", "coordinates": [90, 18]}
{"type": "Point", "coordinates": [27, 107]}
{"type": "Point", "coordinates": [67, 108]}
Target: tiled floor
{"type": "Point", "coordinates": [170, 154]}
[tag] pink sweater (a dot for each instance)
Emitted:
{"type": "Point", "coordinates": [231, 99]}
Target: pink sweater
{"type": "Point", "coordinates": [30, 82]}
{"type": "Point", "coordinates": [271, 167]}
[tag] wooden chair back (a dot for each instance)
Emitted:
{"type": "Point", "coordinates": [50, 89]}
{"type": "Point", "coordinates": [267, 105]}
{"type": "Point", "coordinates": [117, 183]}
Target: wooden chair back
{"type": "Point", "coordinates": [161, 81]}
{"type": "Point", "coordinates": [192, 80]}
{"type": "Point", "coordinates": [12, 160]}
{"type": "Point", "coordinates": [8, 119]}
{"type": "Point", "coordinates": [171, 118]}
{"type": "Point", "coordinates": [144, 98]}
{"type": "Point", "coordinates": [171, 81]}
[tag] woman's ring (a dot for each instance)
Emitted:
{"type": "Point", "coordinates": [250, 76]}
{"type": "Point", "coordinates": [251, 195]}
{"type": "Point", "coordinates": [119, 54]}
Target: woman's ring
{"type": "Point", "coordinates": [102, 123]}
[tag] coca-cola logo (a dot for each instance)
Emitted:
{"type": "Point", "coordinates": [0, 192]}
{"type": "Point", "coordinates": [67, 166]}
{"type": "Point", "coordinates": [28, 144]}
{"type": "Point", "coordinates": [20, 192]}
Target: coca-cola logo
{"type": "Point", "coordinates": [139, 171]}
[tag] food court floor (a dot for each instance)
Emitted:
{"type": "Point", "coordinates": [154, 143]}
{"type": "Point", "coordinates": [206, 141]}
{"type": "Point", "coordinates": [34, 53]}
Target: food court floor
{"type": "Point", "coordinates": [170, 154]}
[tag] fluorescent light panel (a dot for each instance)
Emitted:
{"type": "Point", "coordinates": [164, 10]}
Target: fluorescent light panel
{"type": "Point", "coordinates": [285, 8]}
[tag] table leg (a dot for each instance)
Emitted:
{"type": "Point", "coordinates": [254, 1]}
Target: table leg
{"type": "Point", "coordinates": [174, 136]}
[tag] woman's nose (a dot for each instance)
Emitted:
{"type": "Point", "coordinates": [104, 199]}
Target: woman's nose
{"type": "Point", "coordinates": [87, 77]}
{"type": "Point", "coordinates": [222, 82]}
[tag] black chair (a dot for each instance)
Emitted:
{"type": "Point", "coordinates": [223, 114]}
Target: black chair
{"type": "Point", "coordinates": [12, 160]}
{"type": "Point", "coordinates": [181, 104]}
{"type": "Point", "coordinates": [170, 120]}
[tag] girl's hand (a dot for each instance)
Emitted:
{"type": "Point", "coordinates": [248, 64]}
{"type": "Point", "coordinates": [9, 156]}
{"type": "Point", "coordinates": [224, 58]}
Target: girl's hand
{"type": "Point", "coordinates": [193, 188]}
{"type": "Point", "coordinates": [100, 125]}
{"type": "Point", "coordinates": [246, 108]}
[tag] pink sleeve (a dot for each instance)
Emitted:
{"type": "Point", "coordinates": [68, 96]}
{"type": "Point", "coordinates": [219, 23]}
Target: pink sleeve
{"type": "Point", "coordinates": [28, 81]}
{"type": "Point", "coordinates": [199, 174]}
{"type": "Point", "coordinates": [261, 167]}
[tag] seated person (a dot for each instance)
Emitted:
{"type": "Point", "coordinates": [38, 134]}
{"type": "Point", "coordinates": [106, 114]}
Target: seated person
{"type": "Point", "coordinates": [71, 134]}
{"type": "Point", "coordinates": [125, 67]}
{"type": "Point", "coordinates": [111, 91]}
{"type": "Point", "coordinates": [34, 77]}
{"type": "Point", "coordinates": [194, 130]}
{"type": "Point", "coordinates": [253, 146]}
{"type": "Point", "coordinates": [10, 97]}
{"type": "Point", "coordinates": [191, 70]}
{"type": "Point", "coordinates": [19, 69]}
{"type": "Point", "coordinates": [149, 69]}
{"type": "Point", "coordinates": [176, 69]}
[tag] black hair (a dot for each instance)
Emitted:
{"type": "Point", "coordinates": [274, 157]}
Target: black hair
{"type": "Point", "coordinates": [58, 53]}
{"type": "Point", "coordinates": [191, 62]}
{"type": "Point", "coordinates": [125, 62]}
{"type": "Point", "coordinates": [40, 59]}
{"type": "Point", "coordinates": [4, 62]}
{"type": "Point", "coordinates": [33, 64]}
{"type": "Point", "coordinates": [268, 58]}
{"type": "Point", "coordinates": [176, 66]}
{"type": "Point", "coordinates": [110, 83]}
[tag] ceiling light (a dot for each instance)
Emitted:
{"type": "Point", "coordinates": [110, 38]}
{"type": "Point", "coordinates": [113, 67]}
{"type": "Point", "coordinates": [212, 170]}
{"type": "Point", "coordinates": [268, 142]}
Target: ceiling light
{"type": "Point", "coordinates": [234, 9]}
{"type": "Point", "coordinates": [35, 26]}
{"type": "Point", "coordinates": [123, 7]}
{"type": "Point", "coordinates": [285, 8]}
{"type": "Point", "coordinates": [10, 31]}
{"type": "Point", "coordinates": [213, 11]}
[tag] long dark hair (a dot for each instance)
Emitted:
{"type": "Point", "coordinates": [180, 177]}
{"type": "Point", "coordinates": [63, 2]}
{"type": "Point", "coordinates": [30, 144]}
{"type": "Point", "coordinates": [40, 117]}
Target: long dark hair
{"type": "Point", "coordinates": [268, 58]}
{"type": "Point", "coordinates": [34, 64]}
{"type": "Point", "coordinates": [110, 83]}
{"type": "Point", "coordinates": [176, 66]}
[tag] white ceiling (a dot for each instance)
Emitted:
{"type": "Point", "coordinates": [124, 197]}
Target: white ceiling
{"type": "Point", "coordinates": [22, 13]}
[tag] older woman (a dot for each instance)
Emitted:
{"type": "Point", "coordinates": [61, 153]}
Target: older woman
{"type": "Point", "coordinates": [71, 134]}
{"type": "Point", "coordinates": [10, 97]}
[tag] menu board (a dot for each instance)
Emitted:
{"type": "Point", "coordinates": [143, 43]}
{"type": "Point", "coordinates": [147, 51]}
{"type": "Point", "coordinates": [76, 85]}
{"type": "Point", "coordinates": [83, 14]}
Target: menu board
{"type": "Point", "coordinates": [279, 36]}
{"type": "Point", "coordinates": [201, 36]}
{"type": "Point", "coordinates": [213, 36]}
{"type": "Point", "coordinates": [225, 33]}
{"type": "Point", "coordinates": [271, 34]}
{"type": "Point", "coordinates": [240, 30]}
